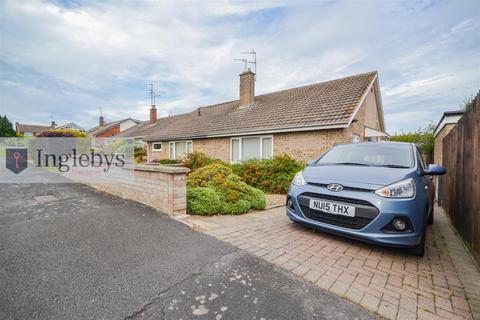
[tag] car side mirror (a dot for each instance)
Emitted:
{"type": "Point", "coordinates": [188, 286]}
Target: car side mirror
{"type": "Point", "coordinates": [434, 170]}
{"type": "Point", "coordinates": [310, 162]}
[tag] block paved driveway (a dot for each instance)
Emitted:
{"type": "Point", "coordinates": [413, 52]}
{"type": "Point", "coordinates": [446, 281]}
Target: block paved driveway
{"type": "Point", "coordinates": [445, 284]}
{"type": "Point", "coordinates": [70, 252]}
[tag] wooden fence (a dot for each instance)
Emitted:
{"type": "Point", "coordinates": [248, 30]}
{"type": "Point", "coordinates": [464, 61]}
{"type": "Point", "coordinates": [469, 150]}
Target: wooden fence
{"type": "Point", "coordinates": [460, 194]}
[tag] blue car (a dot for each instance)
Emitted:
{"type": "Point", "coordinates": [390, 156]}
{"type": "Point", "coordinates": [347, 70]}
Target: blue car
{"type": "Point", "coordinates": [376, 192]}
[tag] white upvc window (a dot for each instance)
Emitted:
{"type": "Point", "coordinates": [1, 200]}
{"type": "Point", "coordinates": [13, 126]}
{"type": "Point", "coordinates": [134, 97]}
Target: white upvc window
{"type": "Point", "coordinates": [179, 149]}
{"type": "Point", "coordinates": [254, 147]}
{"type": "Point", "coordinates": [157, 146]}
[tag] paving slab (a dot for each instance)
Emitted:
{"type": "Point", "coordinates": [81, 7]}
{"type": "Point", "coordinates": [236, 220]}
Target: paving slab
{"type": "Point", "coordinates": [445, 284]}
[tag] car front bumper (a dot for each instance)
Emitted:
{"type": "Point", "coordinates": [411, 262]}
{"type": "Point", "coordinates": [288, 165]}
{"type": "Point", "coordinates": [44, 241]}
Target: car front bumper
{"type": "Point", "coordinates": [412, 210]}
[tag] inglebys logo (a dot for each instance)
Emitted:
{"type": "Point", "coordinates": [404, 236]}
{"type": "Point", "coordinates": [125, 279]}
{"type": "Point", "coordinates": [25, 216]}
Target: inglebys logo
{"type": "Point", "coordinates": [16, 159]}
{"type": "Point", "coordinates": [65, 161]}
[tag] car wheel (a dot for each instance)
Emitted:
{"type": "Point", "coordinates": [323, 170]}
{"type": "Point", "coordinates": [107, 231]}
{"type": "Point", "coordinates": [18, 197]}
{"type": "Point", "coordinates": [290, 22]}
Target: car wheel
{"type": "Point", "coordinates": [430, 217]}
{"type": "Point", "coordinates": [419, 250]}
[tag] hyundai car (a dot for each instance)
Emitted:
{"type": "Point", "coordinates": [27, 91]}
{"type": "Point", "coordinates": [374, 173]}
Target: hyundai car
{"type": "Point", "coordinates": [376, 192]}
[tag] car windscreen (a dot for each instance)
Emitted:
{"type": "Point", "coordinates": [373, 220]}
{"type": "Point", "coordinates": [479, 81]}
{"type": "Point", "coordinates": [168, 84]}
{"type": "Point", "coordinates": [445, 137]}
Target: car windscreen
{"type": "Point", "coordinates": [384, 155]}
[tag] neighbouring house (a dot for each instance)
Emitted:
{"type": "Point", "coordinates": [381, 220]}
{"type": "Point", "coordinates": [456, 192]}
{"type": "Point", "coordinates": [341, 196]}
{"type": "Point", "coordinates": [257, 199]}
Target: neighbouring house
{"type": "Point", "coordinates": [110, 129]}
{"type": "Point", "coordinates": [32, 130]}
{"type": "Point", "coordinates": [70, 126]}
{"type": "Point", "coordinates": [445, 125]}
{"type": "Point", "coordinates": [302, 122]}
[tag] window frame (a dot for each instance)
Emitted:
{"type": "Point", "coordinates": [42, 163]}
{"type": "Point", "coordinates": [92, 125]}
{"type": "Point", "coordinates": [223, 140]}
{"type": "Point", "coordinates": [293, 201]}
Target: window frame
{"type": "Point", "coordinates": [240, 146]}
{"type": "Point", "coordinates": [170, 143]}
{"type": "Point", "coordinates": [157, 150]}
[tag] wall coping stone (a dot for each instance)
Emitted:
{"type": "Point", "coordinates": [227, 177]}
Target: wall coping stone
{"type": "Point", "coordinates": [158, 168]}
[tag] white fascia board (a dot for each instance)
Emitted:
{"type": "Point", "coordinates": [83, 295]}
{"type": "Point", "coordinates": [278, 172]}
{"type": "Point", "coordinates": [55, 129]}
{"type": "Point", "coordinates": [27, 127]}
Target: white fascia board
{"type": "Point", "coordinates": [362, 100]}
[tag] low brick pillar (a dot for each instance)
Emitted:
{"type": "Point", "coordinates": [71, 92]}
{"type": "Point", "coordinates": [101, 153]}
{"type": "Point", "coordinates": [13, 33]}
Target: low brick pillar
{"type": "Point", "coordinates": [161, 187]}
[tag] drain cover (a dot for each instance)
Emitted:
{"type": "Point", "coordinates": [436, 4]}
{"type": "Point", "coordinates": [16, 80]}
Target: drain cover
{"type": "Point", "coordinates": [45, 198]}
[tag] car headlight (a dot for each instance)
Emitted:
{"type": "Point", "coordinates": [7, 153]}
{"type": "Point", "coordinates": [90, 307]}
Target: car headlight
{"type": "Point", "coordinates": [298, 180]}
{"type": "Point", "coordinates": [401, 189]}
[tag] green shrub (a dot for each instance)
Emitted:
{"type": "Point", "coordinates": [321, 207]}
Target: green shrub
{"type": "Point", "coordinates": [203, 201]}
{"type": "Point", "coordinates": [196, 160]}
{"type": "Point", "coordinates": [215, 189]}
{"type": "Point", "coordinates": [202, 177]}
{"type": "Point", "coordinates": [270, 176]}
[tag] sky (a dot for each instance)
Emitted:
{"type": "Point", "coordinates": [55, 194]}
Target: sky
{"type": "Point", "coordinates": [65, 59]}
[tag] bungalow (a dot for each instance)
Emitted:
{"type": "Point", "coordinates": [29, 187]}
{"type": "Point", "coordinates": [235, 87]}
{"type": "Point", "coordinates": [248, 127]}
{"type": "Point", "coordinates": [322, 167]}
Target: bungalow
{"type": "Point", "coordinates": [302, 122]}
{"type": "Point", "coordinates": [32, 130]}
{"type": "Point", "coordinates": [110, 129]}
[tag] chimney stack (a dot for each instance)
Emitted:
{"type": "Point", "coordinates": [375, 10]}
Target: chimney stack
{"type": "Point", "coordinates": [101, 121]}
{"type": "Point", "coordinates": [53, 125]}
{"type": "Point", "coordinates": [247, 88]}
{"type": "Point", "coordinates": [153, 114]}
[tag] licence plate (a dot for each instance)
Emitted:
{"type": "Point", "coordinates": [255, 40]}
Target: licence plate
{"type": "Point", "coordinates": [332, 207]}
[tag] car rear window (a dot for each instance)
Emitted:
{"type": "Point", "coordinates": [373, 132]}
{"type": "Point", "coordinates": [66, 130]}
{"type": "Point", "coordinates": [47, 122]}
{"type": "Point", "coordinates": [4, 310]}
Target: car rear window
{"type": "Point", "coordinates": [370, 154]}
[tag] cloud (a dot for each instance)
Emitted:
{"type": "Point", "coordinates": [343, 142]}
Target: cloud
{"type": "Point", "coordinates": [69, 59]}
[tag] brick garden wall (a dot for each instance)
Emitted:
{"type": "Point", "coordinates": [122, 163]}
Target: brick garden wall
{"type": "Point", "coordinates": [161, 187]}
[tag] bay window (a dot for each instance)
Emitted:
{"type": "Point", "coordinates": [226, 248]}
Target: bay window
{"type": "Point", "coordinates": [244, 148]}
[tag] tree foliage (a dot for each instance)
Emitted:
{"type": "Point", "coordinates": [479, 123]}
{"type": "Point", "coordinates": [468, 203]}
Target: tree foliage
{"type": "Point", "coordinates": [6, 127]}
{"type": "Point", "coordinates": [423, 138]}
{"type": "Point", "coordinates": [467, 103]}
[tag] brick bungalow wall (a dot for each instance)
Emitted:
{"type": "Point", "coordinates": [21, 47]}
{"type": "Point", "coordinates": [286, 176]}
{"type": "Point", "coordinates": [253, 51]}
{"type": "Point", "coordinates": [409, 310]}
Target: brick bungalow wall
{"type": "Point", "coordinates": [438, 149]}
{"type": "Point", "coordinates": [306, 145]}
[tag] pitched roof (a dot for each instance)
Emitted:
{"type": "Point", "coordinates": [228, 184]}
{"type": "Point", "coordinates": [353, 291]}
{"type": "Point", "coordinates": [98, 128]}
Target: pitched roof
{"type": "Point", "coordinates": [99, 129]}
{"type": "Point", "coordinates": [70, 124]}
{"type": "Point", "coordinates": [448, 117]}
{"type": "Point", "coordinates": [31, 128]}
{"type": "Point", "coordinates": [326, 104]}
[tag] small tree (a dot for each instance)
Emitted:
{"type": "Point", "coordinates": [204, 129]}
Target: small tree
{"type": "Point", "coordinates": [6, 127]}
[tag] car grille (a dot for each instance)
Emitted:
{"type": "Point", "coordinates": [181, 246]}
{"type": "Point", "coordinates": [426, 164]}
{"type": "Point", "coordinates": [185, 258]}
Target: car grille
{"type": "Point", "coordinates": [324, 185]}
{"type": "Point", "coordinates": [365, 211]}
{"type": "Point", "coordinates": [338, 199]}
{"type": "Point", "coordinates": [336, 220]}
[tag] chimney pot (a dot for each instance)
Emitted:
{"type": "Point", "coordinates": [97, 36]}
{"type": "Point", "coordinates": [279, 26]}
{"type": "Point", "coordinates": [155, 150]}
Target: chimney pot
{"type": "Point", "coordinates": [153, 114]}
{"type": "Point", "coordinates": [247, 88]}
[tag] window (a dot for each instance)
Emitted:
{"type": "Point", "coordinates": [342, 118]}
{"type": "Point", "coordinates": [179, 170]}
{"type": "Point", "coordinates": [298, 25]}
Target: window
{"type": "Point", "coordinates": [245, 148]}
{"type": "Point", "coordinates": [179, 149]}
{"type": "Point", "coordinates": [156, 146]}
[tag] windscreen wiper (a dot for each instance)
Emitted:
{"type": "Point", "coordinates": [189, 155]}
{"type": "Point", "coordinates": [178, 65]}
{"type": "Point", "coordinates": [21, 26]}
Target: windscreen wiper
{"type": "Point", "coordinates": [352, 164]}
{"type": "Point", "coordinates": [394, 166]}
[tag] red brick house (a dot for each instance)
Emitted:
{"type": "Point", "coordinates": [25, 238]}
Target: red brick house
{"type": "Point", "coordinates": [110, 129]}
{"type": "Point", "coordinates": [302, 122]}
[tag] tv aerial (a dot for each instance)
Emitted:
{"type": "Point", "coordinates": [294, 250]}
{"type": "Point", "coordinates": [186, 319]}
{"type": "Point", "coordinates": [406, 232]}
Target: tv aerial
{"type": "Point", "coordinates": [151, 92]}
{"type": "Point", "coordinates": [251, 60]}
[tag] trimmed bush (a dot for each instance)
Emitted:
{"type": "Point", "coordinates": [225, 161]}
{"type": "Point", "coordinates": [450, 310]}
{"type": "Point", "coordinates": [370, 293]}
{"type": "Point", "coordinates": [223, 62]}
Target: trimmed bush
{"type": "Point", "coordinates": [202, 177]}
{"type": "Point", "coordinates": [270, 176]}
{"type": "Point", "coordinates": [215, 189]}
{"type": "Point", "coordinates": [203, 201]}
